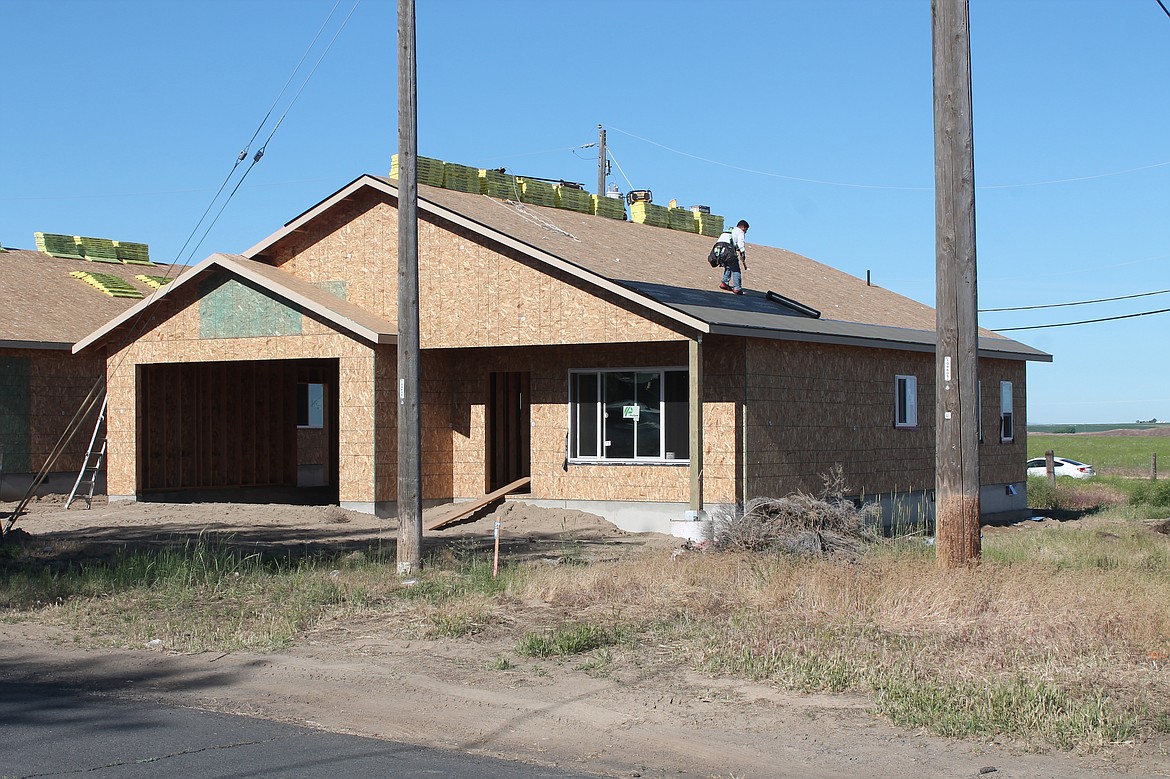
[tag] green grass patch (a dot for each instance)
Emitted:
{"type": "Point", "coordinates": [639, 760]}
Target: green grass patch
{"type": "Point", "coordinates": [1124, 455]}
{"type": "Point", "coordinates": [205, 595]}
{"type": "Point", "coordinates": [570, 640]}
{"type": "Point", "coordinates": [1020, 707]}
{"type": "Point", "coordinates": [1110, 545]}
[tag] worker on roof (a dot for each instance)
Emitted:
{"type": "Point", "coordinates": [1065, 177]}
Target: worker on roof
{"type": "Point", "coordinates": [737, 257]}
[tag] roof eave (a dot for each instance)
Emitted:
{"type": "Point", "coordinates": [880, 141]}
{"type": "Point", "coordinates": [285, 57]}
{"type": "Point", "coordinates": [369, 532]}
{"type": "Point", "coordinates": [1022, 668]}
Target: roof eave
{"type": "Point", "coordinates": [902, 339]}
{"type": "Point", "coordinates": [61, 346]}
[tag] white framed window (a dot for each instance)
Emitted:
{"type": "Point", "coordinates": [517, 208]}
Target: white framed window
{"type": "Point", "coordinates": [905, 401]}
{"type": "Point", "coordinates": [629, 415]}
{"type": "Point", "coordinates": [1006, 429]}
{"type": "Point", "coordinates": [310, 405]}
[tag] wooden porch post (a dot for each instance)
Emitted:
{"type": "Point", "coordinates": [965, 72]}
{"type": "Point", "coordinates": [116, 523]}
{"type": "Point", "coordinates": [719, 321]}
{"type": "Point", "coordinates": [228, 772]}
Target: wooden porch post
{"type": "Point", "coordinates": [695, 377]}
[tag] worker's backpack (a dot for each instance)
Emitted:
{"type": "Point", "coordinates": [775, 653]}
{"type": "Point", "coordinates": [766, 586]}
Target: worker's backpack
{"type": "Point", "coordinates": [722, 252]}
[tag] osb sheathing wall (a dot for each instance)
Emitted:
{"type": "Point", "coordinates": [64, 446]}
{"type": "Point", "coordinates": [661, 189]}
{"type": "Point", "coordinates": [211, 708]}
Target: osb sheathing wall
{"type": "Point", "coordinates": [462, 377]}
{"type": "Point", "coordinates": [39, 395]}
{"type": "Point", "coordinates": [175, 339]}
{"type": "Point", "coordinates": [1003, 462]}
{"type": "Point", "coordinates": [810, 407]}
{"type": "Point", "coordinates": [470, 293]}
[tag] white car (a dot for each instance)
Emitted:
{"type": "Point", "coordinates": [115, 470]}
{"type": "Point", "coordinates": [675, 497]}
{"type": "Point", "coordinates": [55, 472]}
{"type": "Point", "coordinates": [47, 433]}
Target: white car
{"type": "Point", "coordinates": [1061, 466]}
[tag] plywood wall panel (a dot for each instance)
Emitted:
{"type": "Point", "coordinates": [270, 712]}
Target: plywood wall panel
{"type": "Point", "coordinates": [174, 338]}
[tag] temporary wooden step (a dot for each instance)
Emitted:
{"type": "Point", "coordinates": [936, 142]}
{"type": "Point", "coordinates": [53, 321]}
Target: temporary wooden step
{"type": "Point", "coordinates": [457, 511]}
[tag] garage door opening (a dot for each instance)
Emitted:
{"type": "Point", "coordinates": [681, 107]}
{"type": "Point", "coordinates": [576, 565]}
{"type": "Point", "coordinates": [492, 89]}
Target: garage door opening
{"type": "Point", "coordinates": [245, 432]}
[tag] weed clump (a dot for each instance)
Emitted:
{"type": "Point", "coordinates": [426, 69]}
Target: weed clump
{"type": "Point", "coordinates": [804, 525]}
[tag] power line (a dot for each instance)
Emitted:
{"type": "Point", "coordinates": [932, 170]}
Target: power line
{"type": "Point", "coordinates": [1083, 321]}
{"type": "Point", "coordinates": [887, 186]}
{"type": "Point", "coordinates": [1078, 303]}
{"type": "Point", "coordinates": [138, 322]}
{"type": "Point", "coordinates": [1159, 2]}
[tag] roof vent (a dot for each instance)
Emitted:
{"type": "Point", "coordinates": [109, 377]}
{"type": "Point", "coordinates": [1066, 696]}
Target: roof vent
{"type": "Point", "coordinates": [799, 308]}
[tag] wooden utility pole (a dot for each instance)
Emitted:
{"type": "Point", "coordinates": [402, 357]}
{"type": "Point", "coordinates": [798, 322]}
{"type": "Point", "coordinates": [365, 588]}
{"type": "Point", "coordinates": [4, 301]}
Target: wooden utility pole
{"type": "Point", "coordinates": [956, 357]}
{"type": "Point", "coordinates": [602, 166]}
{"type": "Point", "coordinates": [409, 419]}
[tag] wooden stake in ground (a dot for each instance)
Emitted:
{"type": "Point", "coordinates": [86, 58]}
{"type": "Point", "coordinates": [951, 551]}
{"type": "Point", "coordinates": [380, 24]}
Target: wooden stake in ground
{"type": "Point", "coordinates": [956, 367]}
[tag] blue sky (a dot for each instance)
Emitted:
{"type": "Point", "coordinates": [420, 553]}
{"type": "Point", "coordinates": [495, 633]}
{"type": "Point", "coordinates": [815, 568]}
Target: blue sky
{"type": "Point", "coordinates": [810, 119]}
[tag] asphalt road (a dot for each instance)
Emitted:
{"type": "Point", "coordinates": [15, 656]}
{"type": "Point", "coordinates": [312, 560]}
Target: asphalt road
{"type": "Point", "coordinates": [47, 730]}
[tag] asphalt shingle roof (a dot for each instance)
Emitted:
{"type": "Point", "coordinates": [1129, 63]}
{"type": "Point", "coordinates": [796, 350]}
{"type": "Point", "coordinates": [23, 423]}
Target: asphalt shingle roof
{"type": "Point", "coordinates": [42, 306]}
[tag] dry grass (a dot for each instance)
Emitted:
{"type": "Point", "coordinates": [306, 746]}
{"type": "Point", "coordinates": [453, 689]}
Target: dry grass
{"type": "Point", "coordinates": [1070, 654]}
{"type": "Point", "coordinates": [1060, 636]}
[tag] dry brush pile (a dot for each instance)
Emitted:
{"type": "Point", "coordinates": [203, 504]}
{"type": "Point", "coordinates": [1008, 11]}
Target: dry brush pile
{"type": "Point", "coordinates": [828, 524]}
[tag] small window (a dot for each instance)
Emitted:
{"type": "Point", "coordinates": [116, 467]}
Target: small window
{"type": "Point", "coordinates": [905, 401]}
{"type": "Point", "coordinates": [1006, 430]}
{"type": "Point", "coordinates": [311, 405]}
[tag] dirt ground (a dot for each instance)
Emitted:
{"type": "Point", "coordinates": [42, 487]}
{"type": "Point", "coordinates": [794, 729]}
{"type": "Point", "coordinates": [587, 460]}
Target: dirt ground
{"type": "Point", "coordinates": [646, 718]}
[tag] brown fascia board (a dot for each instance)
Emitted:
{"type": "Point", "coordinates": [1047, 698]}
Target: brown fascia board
{"type": "Point", "coordinates": [61, 346]}
{"type": "Point", "coordinates": [879, 337]}
{"type": "Point", "coordinates": [491, 234]}
{"type": "Point", "coordinates": [224, 262]}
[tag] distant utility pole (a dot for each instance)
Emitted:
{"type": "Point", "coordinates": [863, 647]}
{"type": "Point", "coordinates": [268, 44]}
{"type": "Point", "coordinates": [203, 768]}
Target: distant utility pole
{"type": "Point", "coordinates": [409, 419]}
{"type": "Point", "coordinates": [956, 357]}
{"type": "Point", "coordinates": [602, 168]}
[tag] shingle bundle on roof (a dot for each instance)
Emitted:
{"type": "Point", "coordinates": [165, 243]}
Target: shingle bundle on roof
{"type": "Point", "coordinates": [573, 199]}
{"type": "Point", "coordinates": [430, 171]}
{"type": "Point", "coordinates": [649, 214]}
{"type": "Point", "coordinates": [132, 253]}
{"type": "Point", "coordinates": [461, 178]}
{"type": "Point", "coordinates": [497, 184]}
{"type": "Point", "coordinates": [98, 249]}
{"type": "Point", "coordinates": [709, 224]}
{"type": "Point", "coordinates": [611, 207]}
{"type": "Point", "coordinates": [155, 282]}
{"type": "Point", "coordinates": [682, 219]}
{"type": "Point", "coordinates": [59, 246]}
{"type": "Point", "coordinates": [537, 193]}
{"type": "Point", "coordinates": [114, 286]}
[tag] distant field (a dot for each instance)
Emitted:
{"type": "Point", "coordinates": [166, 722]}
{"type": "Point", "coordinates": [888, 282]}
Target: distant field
{"type": "Point", "coordinates": [1123, 455]}
{"type": "Point", "coordinates": [1067, 428]}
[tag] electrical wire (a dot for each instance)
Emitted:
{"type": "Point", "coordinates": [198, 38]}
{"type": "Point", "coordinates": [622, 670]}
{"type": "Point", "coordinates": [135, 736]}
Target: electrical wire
{"type": "Point", "coordinates": [1078, 303]}
{"type": "Point", "coordinates": [139, 321]}
{"type": "Point", "coordinates": [1159, 2]}
{"type": "Point", "coordinates": [248, 146]}
{"type": "Point", "coordinates": [1083, 321]}
{"type": "Point", "coordinates": [609, 153]}
{"type": "Point", "coordinates": [884, 186]}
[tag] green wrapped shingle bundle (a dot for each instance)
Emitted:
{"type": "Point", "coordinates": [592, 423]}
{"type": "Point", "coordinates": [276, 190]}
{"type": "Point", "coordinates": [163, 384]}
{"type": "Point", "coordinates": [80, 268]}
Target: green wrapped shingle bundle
{"type": "Point", "coordinates": [98, 249]}
{"type": "Point", "coordinates": [709, 224]}
{"type": "Point", "coordinates": [682, 219]}
{"type": "Point", "coordinates": [610, 207]}
{"type": "Point", "coordinates": [114, 286]}
{"type": "Point", "coordinates": [430, 171]}
{"type": "Point", "coordinates": [573, 199]}
{"type": "Point", "coordinates": [649, 214]}
{"type": "Point", "coordinates": [59, 246]}
{"type": "Point", "coordinates": [496, 184]}
{"type": "Point", "coordinates": [537, 193]}
{"type": "Point", "coordinates": [462, 178]}
{"type": "Point", "coordinates": [133, 253]}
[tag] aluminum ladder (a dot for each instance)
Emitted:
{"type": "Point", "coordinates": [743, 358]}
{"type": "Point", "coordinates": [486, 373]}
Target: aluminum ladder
{"type": "Point", "coordinates": [95, 456]}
